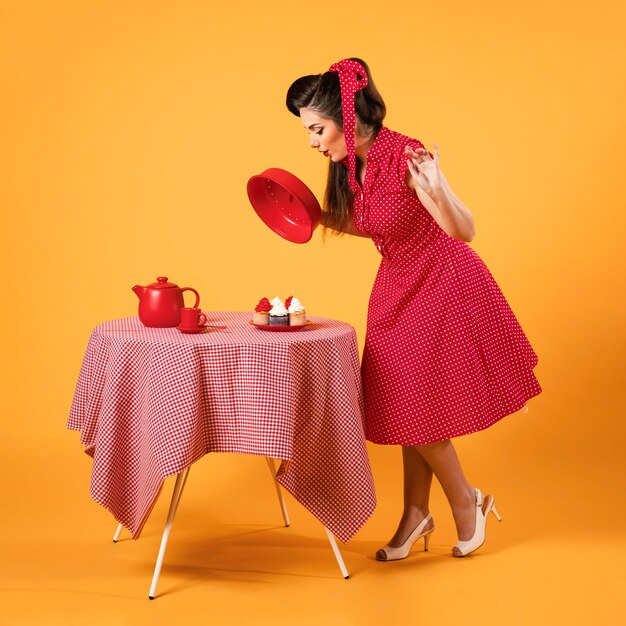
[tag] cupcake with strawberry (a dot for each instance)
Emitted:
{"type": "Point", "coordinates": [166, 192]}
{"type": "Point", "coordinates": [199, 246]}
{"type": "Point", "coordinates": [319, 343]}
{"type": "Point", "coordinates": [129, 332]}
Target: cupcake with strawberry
{"type": "Point", "coordinates": [262, 312]}
{"type": "Point", "coordinates": [297, 313]}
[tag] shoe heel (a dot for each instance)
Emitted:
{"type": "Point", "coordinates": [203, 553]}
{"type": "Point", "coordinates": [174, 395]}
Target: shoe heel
{"type": "Point", "coordinates": [426, 542]}
{"type": "Point", "coordinates": [495, 512]}
{"type": "Point", "coordinates": [401, 552]}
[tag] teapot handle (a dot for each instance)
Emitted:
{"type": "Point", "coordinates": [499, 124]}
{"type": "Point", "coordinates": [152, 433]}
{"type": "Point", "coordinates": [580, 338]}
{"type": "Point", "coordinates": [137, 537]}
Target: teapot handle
{"type": "Point", "coordinates": [195, 306]}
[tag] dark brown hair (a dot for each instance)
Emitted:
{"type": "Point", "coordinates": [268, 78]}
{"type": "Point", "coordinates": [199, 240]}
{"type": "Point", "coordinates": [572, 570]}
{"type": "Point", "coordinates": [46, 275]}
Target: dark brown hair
{"type": "Point", "coordinates": [322, 93]}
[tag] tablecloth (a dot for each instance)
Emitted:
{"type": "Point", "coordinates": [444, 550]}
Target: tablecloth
{"type": "Point", "coordinates": [149, 402]}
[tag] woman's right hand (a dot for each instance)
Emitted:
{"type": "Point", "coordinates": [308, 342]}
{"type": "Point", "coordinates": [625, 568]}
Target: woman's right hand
{"type": "Point", "coordinates": [425, 170]}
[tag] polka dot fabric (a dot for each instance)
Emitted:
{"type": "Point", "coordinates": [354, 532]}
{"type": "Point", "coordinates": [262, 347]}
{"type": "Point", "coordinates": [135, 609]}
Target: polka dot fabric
{"type": "Point", "coordinates": [444, 354]}
{"type": "Point", "coordinates": [352, 78]}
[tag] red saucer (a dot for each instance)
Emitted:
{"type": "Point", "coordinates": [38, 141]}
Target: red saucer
{"type": "Point", "coordinates": [192, 330]}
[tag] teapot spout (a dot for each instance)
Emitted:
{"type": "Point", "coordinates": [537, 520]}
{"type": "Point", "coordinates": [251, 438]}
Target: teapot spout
{"type": "Point", "coordinates": [139, 290]}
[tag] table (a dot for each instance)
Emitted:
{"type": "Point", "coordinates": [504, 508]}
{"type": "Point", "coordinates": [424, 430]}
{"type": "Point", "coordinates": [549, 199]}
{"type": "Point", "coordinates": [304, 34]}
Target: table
{"type": "Point", "coordinates": [149, 402]}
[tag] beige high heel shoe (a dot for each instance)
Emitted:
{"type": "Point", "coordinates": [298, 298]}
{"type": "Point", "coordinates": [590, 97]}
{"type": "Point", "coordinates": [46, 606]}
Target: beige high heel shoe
{"type": "Point", "coordinates": [401, 552]}
{"type": "Point", "coordinates": [467, 547]}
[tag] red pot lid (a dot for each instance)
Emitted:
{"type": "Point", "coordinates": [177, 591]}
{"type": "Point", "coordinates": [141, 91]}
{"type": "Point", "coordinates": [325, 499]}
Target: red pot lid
{"type": "Point", "coordinates": [285, 204]}
{"type": "Point", "coordinates": [162, 283]}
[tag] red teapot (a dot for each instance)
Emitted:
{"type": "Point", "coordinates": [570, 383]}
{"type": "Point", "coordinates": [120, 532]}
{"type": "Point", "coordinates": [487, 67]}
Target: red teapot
{"type": "Point", "coordinates": [160, 303]}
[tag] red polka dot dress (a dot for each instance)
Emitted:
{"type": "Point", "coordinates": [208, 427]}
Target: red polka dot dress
{"type": "Point", "coordinates": [444, 354]}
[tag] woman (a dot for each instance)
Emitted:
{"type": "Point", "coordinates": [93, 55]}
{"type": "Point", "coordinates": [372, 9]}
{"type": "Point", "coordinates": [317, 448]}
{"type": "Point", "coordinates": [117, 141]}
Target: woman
{"type": "Point", "coordinates": [444, 354]}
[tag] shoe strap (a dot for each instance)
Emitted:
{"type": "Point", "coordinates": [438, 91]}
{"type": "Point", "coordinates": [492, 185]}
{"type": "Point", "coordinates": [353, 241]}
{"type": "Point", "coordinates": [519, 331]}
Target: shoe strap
{"type": "Point", "coordinates": [479, 497]}
{"type": "Point", "coordinates": [424, 523]}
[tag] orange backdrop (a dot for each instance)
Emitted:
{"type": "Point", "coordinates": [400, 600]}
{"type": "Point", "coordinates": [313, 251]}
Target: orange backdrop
{"type": "Point", "coordinates": [128, 131]}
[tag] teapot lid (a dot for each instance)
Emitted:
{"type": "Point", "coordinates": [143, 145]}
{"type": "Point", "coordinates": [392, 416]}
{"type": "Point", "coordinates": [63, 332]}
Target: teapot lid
{"type": "Point", "coordinates": [162, 284]}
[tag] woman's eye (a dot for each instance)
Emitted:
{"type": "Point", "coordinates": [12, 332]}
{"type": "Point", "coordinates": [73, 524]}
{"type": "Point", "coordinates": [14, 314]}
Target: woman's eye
{"type": "Point", "coordinates": [319, 132]}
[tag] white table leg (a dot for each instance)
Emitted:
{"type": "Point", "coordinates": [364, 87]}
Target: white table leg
{"type": "Point", "coordinates": [176, 496]}
{"type": "Point", "coordinates": [283, 506]}
{"type": "Point", "coordinates": [178, 491]}
{"type": "Point", "coordinates": [331, 538]}
{"type": "Point", "coordinates": [333, 544]}
{"type": "Point", "coordinates": [116, 536]}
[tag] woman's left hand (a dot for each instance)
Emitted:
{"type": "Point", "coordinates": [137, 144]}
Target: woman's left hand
{"type": "Point", "coordinates": [424, 169]}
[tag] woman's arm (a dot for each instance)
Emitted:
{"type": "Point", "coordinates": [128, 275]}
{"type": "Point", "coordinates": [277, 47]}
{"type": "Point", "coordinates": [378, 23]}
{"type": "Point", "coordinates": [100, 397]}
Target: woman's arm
{"type": "Point", "coordinates": [427, 180]}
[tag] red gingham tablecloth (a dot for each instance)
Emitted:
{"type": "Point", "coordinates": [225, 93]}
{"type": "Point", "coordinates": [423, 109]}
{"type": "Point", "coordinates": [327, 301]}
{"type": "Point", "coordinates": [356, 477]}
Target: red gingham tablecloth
{"type": "Point", "coordinates": [151, 401]}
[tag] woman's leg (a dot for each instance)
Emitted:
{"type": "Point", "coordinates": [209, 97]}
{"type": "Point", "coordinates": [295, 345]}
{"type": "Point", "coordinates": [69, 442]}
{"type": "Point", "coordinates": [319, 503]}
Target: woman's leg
{"type": "Point", "coordinates": [442, 459]}
{"type": "Point", "coordinates": [417, 480]}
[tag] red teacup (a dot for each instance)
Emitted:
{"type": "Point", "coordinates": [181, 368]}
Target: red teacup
{"type": "Point", "coordinates": [192, 318]}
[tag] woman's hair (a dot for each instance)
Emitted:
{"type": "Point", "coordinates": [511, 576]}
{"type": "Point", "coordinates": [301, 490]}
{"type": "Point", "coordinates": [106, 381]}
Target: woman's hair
{"type": "Point", "coordinates": [322, 94]}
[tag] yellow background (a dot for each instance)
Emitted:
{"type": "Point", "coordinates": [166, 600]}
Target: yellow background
{"type": "Point", "coordinates": [128, 131]}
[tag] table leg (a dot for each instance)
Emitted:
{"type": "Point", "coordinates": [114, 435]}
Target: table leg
{"type": "Point", "coordinates": [178, 491]}
{"type": "Point", "coordinates": [283, 506]}
{"type": "Point", "coordinates": [333, 544]}
{"type": "Point", "coordinates": [176, 496]}
{"type": "Point", "coordinates": [116, 536]}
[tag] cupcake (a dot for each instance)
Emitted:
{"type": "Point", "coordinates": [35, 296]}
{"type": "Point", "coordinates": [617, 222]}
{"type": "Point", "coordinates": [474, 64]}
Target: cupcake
{"type": "Point", "coordinates": [297, 313]}
{"type": "Point", "coordinates": [279, 316]}
{"type": "Point", "coordinates": [262, 312]}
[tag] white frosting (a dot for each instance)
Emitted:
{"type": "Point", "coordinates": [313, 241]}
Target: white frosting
{"type": "Point", "coordinates": [275, 301]}
{"type": "Point", "coordinates": [278, 308]}
{"type": "Point", "coordinates": [296, 306]}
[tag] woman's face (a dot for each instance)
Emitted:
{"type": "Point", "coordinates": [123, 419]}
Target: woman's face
{"type": "Point", "coordinates": [324, 135]}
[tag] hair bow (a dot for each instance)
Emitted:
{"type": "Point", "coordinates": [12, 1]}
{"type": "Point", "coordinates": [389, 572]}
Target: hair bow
{"type": "Point", "coordinates": [350, 83]}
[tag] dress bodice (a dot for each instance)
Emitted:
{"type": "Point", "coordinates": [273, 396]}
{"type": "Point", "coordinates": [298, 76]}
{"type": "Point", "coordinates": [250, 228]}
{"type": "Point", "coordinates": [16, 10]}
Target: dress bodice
{"type": "Point", "coordinates": [385, 207]}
